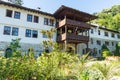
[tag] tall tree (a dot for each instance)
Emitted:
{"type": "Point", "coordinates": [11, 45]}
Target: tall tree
{"type": "Point", "coordinates": [19, 2]}
{"type": "Point", "coordinates": [110, 18]}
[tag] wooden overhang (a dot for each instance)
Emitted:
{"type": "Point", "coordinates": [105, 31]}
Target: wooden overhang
{"type": "Point", "coordinates": [73, 13]}
{"type": "Point", "coordinates": [25, 8]}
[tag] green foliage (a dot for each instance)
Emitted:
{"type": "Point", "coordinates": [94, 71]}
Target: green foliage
{"type": "Point", "coordinates": [13, 48]}
{"type": "Point", "coordinates": [105, 51]}
{"type": "Point", "coordinates": [14, 44]}
{"type": "Point", "coordinates": [49, 44]}
{"type": "Point", "coordinates": [104, 47]}
{"type": "Point", "coordinates": [117, 51]}
{"type": "Point", "coordinates": [19, 2]}
{"type": "Point", "coordinates": [107, 69]}
{"type": "Point", "coordinates": [31, 53]}
{"type": "Point", "coordinates": [109, 18]}
{"type": "Point", "coordinates": [55, 66]}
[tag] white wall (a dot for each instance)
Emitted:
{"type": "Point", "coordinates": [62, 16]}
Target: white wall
{"type": "Point", "coordinates": [22, 24]}
{"type": "Point", "coordinates": [102, 38]}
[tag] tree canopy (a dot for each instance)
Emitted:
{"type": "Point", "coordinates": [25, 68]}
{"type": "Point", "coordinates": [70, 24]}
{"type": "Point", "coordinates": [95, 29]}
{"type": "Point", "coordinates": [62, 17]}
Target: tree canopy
{"type": "Point", "coordinates": [19, 2]}
{"type": "Point", "coordinates": [109, 18]}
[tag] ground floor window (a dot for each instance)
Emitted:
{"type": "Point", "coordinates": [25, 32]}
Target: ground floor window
{"type": "Point", "coordinates": [15, 31]}
{"type": "Point", "coordinates": [7, 30]}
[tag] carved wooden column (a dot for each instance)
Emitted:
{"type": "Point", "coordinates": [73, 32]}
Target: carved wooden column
{"type": "Point", "coordinates": [76, 48]}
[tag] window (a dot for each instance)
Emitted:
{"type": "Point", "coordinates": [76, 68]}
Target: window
{"type": "Point", "coordinates": [28, 33]}
{"type": "Point", "coordinates": [98, 32]}
{"type": "Point", "coordinates": [106, 33]}
{"type": "Point", "coordinates": [7, 30]}
{"type": "Point", "coordinates": [51, 22]}
{"type": "Point", "coordinates": [98, 42]}
{"type": "Point", "coordinates": [113, 35]}
{"type": "Point", "coordinates": [91, 40]}
{"type": "Point", "coordinates": [45, 36]}
{"type": "Point", "coordinates": [29, 18]}
{"type": "Point", "coordinates": [106, 43]}
{"type": "Point", "coordinates": [15, 31]}
{"type": "Point", "coordinates": [9, 13]}
{"type": "Point", "coordinates": [112, 43]}
{"type": "Point", "coordinates": [34, 34]}
{"type": "Point", "coordinates": [36, 19]}
{"type": "Point", "coordinates": [118, 36]}
{"type": "Point", "coordinates": [92, 31]}
{"type": "Point", "coordinates": [17, 15]}
{"type": "Point", "coordinates": [46, 21]}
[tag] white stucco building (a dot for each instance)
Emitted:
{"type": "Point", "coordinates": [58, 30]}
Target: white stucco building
{"type": "Point", "coordinates": [25, 23]}
{"type": "Point", "coordinates": [21, 22]}
{"type": "Point", "coordinates": [98, 36]}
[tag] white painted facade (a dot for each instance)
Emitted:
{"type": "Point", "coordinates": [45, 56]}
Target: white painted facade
{"type": "Point", "coordinates": [36, 43]}
{"type": "Point", "coordinates": [22, 24]}
{"type": "Point", "coordinates": [94, 37]}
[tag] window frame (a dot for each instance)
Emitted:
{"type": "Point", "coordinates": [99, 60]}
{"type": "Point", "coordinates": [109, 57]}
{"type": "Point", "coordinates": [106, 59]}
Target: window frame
{"type": "Point", "coordinates": [92, 31]}
{"type": "Point", "coordinates": [28, 33]}
{"type": "Point", "coordinates": [29, 17]}
{"type": "Point", "coordinates": [51, 22]}
{"type": "Point", "coordinates": [99, 32]}
{"type": "Point", "coordinates": [17, 15]}
{"type": "Point", "coordinates": [106, 34]}
{"type": "Point", "coordinates": [36, 19]}
{"type": "Point", "coordinates": [16, 31]}
{"type": "Point", "coordinates": [44, 36]}
{"type": "Point", "coordinates": [46, 21]}
{"type": "Point", "coordinates": [118, 36]}
{"type": "Point", "coordinates": [9, 13]}
{"type": "Point", "coordinates": [8, 32]}
{"type": "Point", "coordinates": [98, 42]}
{"type": "Point", "coordinates": [107, 43]}
{"type": "Point", "coordinates": [34, 33]}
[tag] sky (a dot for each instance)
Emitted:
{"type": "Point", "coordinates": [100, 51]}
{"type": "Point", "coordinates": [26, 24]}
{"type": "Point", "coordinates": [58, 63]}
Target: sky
{"type": "Point", "coordinates": [89, 6]}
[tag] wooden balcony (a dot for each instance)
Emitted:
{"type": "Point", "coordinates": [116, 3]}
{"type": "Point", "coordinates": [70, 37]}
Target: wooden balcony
{"type": "Point", "coordinates": [73, 23]}
{"type": "Point", "coordinates": [72, 38]}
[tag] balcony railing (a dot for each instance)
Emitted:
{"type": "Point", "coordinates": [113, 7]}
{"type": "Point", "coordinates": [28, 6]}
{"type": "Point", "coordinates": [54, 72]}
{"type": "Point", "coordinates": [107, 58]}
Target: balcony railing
{"type": "Point", "coordinates": [68, 36]}
{"type": "Point", "coordinates": [73, 23]}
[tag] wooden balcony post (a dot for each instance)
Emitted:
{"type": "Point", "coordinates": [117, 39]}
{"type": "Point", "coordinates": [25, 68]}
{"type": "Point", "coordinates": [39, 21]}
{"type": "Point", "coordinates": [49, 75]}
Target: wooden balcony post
{"type": "Point", "coordinates": [76, 48]}
{"type": "Point", "coordinates": [65, 45]}
{"type": "Point", "coordinates": [88, 33]}
{"type": "Point", "coordinates": [66, 29]}
{"type": "Point", "coordinates": [61, 31]}
{"type": "Point", "coordinates": [87, 47]}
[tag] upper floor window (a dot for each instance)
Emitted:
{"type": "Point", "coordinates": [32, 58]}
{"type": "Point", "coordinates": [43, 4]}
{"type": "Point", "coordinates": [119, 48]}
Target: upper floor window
{"type": "Point", "coordinates": [91, 40]}
{"type": "Point", "coordinates": [7, 30]}
{"type": "Point", "coordinates": [45, 36]}
{"type": "Point", "coordinates": [113, 35]}
{"type": "Point", "coordinates": [28, 33]}
{"type": "Point", "coordinates": [106, 43]}
{"type": "Point", "coordinates": [15, 31]}
{"type": "Point", "coordinates": [9, 13]}
{"type": "Point", "coordinates": [36, 19]}
{"type": "Point", "coordinates": [118, 36]}
{"type": "Point", "coordinates": [98, 42]}
{"type": "Point", "coordinates": [112, 43]}
{"type": "Point", "coordinates": [51, 22]}
{"type": "Point", "coordinates": [29, 18]}
{"type": "Point", "coordinates": [106, 33]}
{"type": "Point", "coordinates": [34, 34]}
{"type": "Point", "coordinates": [46, 21]}
{"type": "Point", "coordinates": [17, 15]}
{"type": "Point", "coordinates": [92, 31]}
{"type": "Point", "coordinates": [98, 32]}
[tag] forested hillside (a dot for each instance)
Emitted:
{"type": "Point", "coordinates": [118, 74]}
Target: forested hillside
{"type": "Point", "coordinates": [109, 18]}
